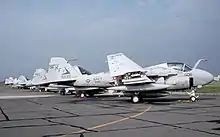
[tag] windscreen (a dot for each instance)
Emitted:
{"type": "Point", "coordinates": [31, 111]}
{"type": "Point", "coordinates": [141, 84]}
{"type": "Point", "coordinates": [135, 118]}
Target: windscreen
{"type": "Point", "coordinates": [179, 66]}
{"type": "Point", "coordinates": [84, 71]}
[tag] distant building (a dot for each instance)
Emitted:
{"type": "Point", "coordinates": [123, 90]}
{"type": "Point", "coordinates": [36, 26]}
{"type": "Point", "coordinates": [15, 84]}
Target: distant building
{"type": "Point", "coordinates": [217, 78]}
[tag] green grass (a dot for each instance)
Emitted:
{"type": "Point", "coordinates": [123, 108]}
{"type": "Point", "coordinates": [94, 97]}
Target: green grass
{"type": "Point", "coordinates": [214, 87]}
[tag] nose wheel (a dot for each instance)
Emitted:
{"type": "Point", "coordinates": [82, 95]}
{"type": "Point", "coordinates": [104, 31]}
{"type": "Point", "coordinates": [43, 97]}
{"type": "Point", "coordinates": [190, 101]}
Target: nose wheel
{"type": "Point", "coordinates": [193, 96]}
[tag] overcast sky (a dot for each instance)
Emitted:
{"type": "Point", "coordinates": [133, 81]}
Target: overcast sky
{"type": "Point", "coordinates": [148, 31]}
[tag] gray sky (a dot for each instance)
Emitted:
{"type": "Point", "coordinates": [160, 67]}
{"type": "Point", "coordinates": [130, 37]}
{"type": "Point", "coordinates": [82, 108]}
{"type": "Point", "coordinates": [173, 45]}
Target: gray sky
{"type": "Point", "coordinates": [148, 31]}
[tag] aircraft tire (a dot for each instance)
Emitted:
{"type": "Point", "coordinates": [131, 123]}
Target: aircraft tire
{"type": "Point", "coordinates": [135, 99]}
{"type": "Point", "coordinates": [193, 98]}
{"type": "Point", "coordinates": [62, 92]}
{"type": "Point", "coordinates": [82, 95]}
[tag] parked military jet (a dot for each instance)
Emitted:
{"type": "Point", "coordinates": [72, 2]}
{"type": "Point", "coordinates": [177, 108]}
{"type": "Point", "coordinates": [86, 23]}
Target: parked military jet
{"type": "Point", "coordinates": [132, 79]}
{"type": "Point", "coordinates": [63, 77]}
{"type": "Point", "coordinates": [39, 80]}
{"type": "Point", "coordinates": [180, 76]}
{"type": "Point", "coordinates": [9, 81]}
{"type": "Point", "coordinates": [51, 80]}
{"type": "Point", "coordinates": [77, 78]}
{"type": "Point", "coordinates": [139, 82]}
{"type": "Point", "coordinates": [20, 83]}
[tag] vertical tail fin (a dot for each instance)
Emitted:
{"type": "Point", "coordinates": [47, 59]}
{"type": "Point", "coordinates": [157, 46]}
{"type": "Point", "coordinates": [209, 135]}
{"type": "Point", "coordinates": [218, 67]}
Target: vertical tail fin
{"type": "Point", "coordinates": [119, 64]}
{"type": "Point", "coordinates": [22, 80]}
{"type": "Point", "coordinates": [10, 80]}
{"type": "Point", "coordinates": [15, 81]}
{"type": "Point", "coordinates": [6, 81]}
{"type": "Point", "coordinates": [39, 77]}
{"type": "Point", "coordinates": [61, 70]}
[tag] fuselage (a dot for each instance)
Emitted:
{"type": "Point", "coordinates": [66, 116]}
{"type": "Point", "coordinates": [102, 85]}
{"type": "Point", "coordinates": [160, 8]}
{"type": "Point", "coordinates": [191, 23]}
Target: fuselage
{"type": "Point", "coordinates": [94, 80]}
{"type": "Point", "coordinates": [181, 76]}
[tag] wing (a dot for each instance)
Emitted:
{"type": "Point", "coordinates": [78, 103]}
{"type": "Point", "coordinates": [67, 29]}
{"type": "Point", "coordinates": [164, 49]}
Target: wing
{"type": "Point", "coordinates": [130, 77]}
{"type": "Point", "coordinates": [131, 73]}
{"type": "Point", "coordinates": [119, 64]}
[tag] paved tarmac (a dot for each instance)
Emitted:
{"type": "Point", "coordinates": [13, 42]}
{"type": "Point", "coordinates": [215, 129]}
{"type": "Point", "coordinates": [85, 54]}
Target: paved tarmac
{"type": "Point", "coordinates": [34, 114]}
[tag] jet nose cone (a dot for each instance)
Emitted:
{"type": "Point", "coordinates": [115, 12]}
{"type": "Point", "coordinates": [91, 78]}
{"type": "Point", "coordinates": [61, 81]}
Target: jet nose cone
{"type": "Point", "coordinates": [202, 77]}
{"type": "Point", "coordinates": [209, 77]}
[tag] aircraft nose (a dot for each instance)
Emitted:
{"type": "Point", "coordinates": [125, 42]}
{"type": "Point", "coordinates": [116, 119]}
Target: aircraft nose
{"type": "Point", "coordinates": [207, 77]}
{"type": "Point", "coordinates": [202, 77]}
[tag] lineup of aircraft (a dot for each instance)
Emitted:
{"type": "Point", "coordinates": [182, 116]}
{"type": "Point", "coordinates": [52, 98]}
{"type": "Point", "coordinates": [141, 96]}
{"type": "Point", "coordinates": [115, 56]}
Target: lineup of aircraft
{"type": "Point", "coordinates": [124, 76]}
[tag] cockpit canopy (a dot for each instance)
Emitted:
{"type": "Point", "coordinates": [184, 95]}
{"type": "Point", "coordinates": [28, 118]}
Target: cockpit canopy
{"type": "Point", "coordinates": [179, 66]}
{"type": "Point", "coordinates": [84, 71]}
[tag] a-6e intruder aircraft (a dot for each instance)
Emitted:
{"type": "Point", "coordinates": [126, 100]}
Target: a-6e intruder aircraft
{"type": "Point", "coordinates": [63, 77]}
{"type": "Point", "coordinates": [180, 76]}
{"type": "Point", "coordinates": [9, 81]}
{"type": "Point", "coordinates": [78, 79]}
{"type": "Point", "coordinates": [57, 78]}
{"type": "Point", "coordinates": [154, 81]}
{"type": "Point", "coordinates": [21, 83]}
{"type": "Point", "coordinates": [48, 80]}
{"type": "Point", "coordinates": [39, 80]}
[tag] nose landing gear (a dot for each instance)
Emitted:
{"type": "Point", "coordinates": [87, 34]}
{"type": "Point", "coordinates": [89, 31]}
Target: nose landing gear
{"type": "Point", "coordinates": [192, 95]}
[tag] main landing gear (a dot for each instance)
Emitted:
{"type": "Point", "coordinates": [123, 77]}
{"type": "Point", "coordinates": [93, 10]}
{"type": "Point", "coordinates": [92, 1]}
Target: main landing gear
{"type": "Point", "coordinates": [136, 98]}
{"type": "Point", "coordinates": [84, 94]}
{"type": "Point", "coordinates": [80, 94]}
{"type": "Point", "coordinates": [62, 92]}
